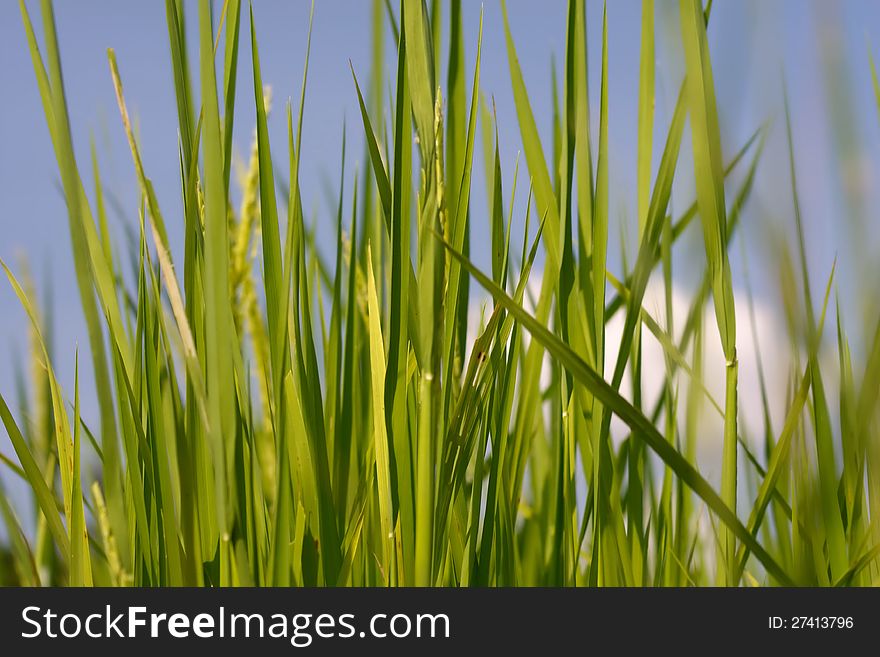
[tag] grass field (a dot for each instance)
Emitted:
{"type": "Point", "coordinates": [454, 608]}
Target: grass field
{"type": "Point", "coordinates": [269, 416]}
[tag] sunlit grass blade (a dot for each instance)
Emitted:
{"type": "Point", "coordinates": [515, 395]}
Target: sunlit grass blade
{"type": "Point", "coordinates": [380, 434]}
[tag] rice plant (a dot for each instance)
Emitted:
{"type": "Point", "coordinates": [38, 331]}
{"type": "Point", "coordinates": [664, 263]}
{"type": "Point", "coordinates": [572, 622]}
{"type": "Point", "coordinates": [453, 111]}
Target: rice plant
{"type": "Point", "coordinates": [271, 417]}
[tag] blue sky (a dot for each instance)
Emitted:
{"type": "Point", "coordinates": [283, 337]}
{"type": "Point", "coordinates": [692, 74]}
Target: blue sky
{"type": "Point", "coordinates": [821, 46]}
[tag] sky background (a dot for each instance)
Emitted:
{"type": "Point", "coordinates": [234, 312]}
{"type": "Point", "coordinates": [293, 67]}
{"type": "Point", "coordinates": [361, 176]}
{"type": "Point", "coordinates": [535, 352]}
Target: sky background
{"type": "Point", "coordinates": [819, 48]}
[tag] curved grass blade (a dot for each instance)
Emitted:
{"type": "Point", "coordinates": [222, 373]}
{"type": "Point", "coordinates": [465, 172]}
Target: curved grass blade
{"type": "Point", "coordinates": [640, 425]}
{"type": "Point", "coordinates": [545, 197]}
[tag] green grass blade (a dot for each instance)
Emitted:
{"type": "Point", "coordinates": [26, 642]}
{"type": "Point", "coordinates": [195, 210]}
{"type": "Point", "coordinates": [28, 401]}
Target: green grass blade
{"type": "Point", "coordinates": [639, 424]}
{"type": "Point", "coordinates": [380, 434]}
{"type": "Point", "coordinates": [545, 197]}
